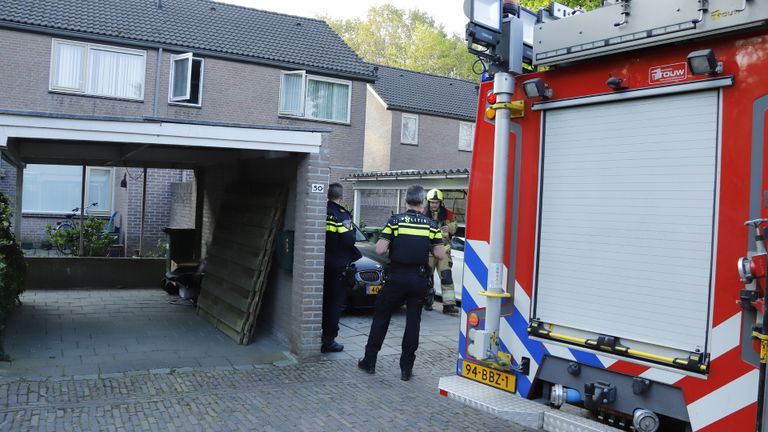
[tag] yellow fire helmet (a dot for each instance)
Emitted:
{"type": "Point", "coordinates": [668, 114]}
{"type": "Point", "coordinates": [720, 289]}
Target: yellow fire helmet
{"type": "Point", "coordinates": [434, 195]}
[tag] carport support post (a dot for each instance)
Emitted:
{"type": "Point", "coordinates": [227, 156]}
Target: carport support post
{"type": "Point", "coordinates": [356, 207]}
{"type": "Point", "coordinates": [82, 210]}
{"type": "Point", "coordinates": [143, 212]}
{"type": "Point", "coordinates": [399, 200]}
{"type": "Point", "coordinates": [19, 190]}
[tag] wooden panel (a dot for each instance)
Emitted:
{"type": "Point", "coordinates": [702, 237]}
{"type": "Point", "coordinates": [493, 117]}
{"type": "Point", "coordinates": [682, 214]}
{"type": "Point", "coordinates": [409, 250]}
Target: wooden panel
{"type": "Point", "coordinates": [239, 258]}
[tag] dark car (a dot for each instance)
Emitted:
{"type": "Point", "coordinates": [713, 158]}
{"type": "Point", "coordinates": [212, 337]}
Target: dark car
{"type": "Point", "coordinates": [366, 274]}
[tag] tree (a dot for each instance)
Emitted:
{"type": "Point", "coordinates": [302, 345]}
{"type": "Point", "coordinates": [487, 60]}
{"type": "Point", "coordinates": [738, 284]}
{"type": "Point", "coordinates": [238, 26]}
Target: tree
{"type": "Point", "coordinates": [405, 39]}
{"type": "Point", "coordinates": [410, 39]}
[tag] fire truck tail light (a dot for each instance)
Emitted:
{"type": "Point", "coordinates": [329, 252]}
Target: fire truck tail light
{"type": "Point", "coordinates": [490, 113]}
{"type": "Point", "coordinates": [703, 62]}
{"type": "Point", "coordinates": [491, 97]}
{"type": "Point", "coordinates": [473, 320]}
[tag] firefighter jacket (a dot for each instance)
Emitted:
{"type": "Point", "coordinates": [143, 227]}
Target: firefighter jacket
{"type": "Point", "coordinates": [340, 250]}
{"type": "Point", "coordinates": [443, 217]}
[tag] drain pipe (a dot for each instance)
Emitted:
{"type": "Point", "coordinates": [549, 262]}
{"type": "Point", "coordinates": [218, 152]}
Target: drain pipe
{"type": "Point", "coordinates": [503, 88]}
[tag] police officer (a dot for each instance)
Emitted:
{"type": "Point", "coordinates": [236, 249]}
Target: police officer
{"type": "Point", "coordinates": [340, 252]}
{"type": "Point", "coordinates": [409, 237]}
{"type": "Point", "coordinates": [444, 218]}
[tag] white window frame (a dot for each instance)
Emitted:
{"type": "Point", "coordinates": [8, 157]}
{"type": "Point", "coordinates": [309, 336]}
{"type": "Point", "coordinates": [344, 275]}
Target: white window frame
{"type": "Point", "coordinates": [464, 147]}
{"type": "Point", "coordinates": [403, 138]}
{"type": "Point", "coordinates": [305, 87]}
{"type": "Point", "coordinates": [177, 101]}
{"type": "Point", "coordinates": [172, 76]}
{"type": "Point", "coordinates": [111, 183]}
{"type": "Point", "coordinates": [83, 90]}
{"type": "Point", "coordinates": [303, 93]}
{"type": "Point", "coordinates": [88, 200]}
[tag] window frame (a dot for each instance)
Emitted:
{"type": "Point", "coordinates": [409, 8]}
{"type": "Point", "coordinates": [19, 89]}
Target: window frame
{"type": "Point", "coordinates": [172, 77]}
{"type": "Point", "coordinates": [403, 117]}
{"type": "Point", "coordinates": [106, 212]}
{"type": "Point", "coordinates": [471, 136]}
{"type": "Point", "coordinates": [305, 88]}
{"type": "Point", "coordinates": [202, 78]}
{"type": "Point", "coordinates": [86, 69]}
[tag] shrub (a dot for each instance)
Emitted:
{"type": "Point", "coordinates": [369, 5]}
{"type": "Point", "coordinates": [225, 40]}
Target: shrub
{"type": "Point", "coordinates": [96, 241]}
{"type": "Point", "coordinates": [13, 269]}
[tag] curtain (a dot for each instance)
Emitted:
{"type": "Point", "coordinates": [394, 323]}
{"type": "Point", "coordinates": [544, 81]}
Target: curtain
{"type": "Point", "coordinates": [68, 69]}
{"type": "Point", "coordinates": [116, 74]}
{"type": "Point", "coordinates": [466, 136]}
{"type": "Point", "coordinates": [327, 100]}
{"type": "Point", "coordinates": [290, 93]}
{"type": "Point", "coordinates": [51, 188]}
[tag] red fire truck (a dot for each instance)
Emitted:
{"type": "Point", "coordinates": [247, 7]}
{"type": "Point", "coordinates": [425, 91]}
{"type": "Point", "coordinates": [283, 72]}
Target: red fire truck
{"type": "Point", "coordinates": [607, 205]}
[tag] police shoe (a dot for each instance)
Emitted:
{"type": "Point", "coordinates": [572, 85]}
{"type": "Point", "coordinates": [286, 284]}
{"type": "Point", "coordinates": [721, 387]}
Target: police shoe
{"type": "Point", "coordinates": [450, 310]}
{"type": "Point", "coordinates": [406, 375]}
{"type": "Point", "coordinates": [366, 367]}
{"type": "Point", "coordinates": [331, 346]}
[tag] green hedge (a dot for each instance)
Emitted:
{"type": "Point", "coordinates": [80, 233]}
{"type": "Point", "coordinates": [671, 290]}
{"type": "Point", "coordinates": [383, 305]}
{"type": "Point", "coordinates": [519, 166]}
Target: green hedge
{"type": "Point", "coordinates": [13, 270]}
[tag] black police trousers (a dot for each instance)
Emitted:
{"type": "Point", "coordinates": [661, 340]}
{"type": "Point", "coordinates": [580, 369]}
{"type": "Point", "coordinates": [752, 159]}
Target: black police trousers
{"type": "Point", "coordinates": [409, 287]}
{"type": "Point", "coordinates": [334, 292]}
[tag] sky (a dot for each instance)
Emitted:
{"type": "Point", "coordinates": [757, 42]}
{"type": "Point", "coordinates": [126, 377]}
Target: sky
{"type": "Point", "coordinates": [449, 13]}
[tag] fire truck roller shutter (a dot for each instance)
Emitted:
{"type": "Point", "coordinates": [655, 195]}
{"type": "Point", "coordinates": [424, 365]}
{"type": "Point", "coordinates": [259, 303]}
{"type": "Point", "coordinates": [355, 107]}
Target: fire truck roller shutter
{"type": "Point", "coordinates": [627, 208]}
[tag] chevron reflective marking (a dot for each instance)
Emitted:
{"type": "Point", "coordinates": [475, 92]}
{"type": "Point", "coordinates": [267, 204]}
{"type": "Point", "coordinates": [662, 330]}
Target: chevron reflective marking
{"type": "Point", "coordinates": [586, 357]}
{"type": "Point", "coordinates": [724, 401]}
{"type": "Point", "coordinates": [517, 348]}
{"type": "Point", "coordinates": [726, 336]}
{"type": "Point", "coordinates": [559, 351]}
{"type": "Point", "coordinates": [662, 375]}
{"type": "Point", "coordinates": [522, 300]}
{"type": "Point", "coordinates": [475, 263]}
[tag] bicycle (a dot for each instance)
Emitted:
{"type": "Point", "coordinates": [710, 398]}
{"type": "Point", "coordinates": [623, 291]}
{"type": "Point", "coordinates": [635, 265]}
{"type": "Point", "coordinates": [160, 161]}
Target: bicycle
{"type": "Point", "coordinates": [70, 244]}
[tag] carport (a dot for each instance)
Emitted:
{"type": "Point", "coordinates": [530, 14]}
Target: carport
{"type": "Point", "coordinates": [378, 194]}
{"type": "Point", "coordinates": [223, 156]}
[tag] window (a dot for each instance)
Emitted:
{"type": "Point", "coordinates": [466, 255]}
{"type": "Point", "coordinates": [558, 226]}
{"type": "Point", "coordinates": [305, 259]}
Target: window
{"type": "Point", "coordinates": [409, 131]}
{"type": "Point", "coordinates": [314, 97]}
{"type": "Point", "coordinates": [56, 188]}
{"type": "Point", "coordinates": [186, 82]}
{"type": "Point", "coordinates": [466, 136]}
{"type": "Point", "coordinates": [97, 70]}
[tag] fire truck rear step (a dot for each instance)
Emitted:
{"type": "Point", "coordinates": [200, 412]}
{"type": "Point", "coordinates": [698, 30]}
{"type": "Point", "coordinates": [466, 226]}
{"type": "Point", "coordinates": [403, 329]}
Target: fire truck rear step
{"type": "Point", "coordinates": [515, 408]}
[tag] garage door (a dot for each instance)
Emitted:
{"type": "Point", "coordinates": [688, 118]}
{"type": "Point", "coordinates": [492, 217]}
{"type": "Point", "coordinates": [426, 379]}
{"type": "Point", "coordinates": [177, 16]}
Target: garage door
{"type": "Point", "coordinates": [627, 210]}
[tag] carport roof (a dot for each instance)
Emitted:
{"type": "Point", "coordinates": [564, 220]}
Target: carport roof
{"type": "Point", "coordinates": [201, 26]}
{"type": "Point", "coordinates": [437, 178]}
{"type": "Point", "coordinates": [151, 143]}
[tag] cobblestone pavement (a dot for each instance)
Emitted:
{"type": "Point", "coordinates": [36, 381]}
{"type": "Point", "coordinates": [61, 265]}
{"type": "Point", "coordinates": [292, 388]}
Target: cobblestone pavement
{"type": "Point", "coordinates": [328, 393]}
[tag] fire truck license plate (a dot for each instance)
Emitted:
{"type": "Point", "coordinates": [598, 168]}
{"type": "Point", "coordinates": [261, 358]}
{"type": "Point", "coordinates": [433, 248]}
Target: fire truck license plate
{"type": "Point", "coordinates": [489, 376]}
{"type": "Point", "coordinates": [372, 289]}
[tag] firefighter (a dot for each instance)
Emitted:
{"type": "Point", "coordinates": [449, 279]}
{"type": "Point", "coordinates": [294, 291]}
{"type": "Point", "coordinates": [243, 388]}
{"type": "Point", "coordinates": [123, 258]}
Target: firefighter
{"type": "Point", "coordinates": [409, 237]}
{"type": "Point", "coordinates": [340, 252]}
{"type": "Point", "coordinates": [444, 218]}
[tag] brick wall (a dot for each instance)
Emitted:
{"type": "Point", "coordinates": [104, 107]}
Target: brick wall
{"type": "Point", "coordinates": [158, 207]}
{"type": "Point", "coordinates": [183, 197]}
{"type": "Point", "coordinates": [378, 133]}
{"type": "Point", "coordinates": [438, 146]}
{"type": "Point", "coordinates": [376, 206]}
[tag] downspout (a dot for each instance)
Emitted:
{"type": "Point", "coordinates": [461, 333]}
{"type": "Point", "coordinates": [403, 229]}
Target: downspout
{"type": "Point", "coordinates": [157, 81]}
{"type": "Point", "coordinates": [143, 212]}
{"type": "Point", "coordinates": [82, 211]}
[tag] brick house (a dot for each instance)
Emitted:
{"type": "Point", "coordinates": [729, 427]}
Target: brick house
{"type": "Point", "coordinates": [418, 126]}
{"type": "Point", "coordinates": [240, 96]}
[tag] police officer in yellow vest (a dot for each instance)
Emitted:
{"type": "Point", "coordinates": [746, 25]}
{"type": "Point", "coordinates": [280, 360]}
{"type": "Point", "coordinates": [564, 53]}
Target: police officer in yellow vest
{"type": "Point", "coordinates": [409, 237]}
{"type": "Point", "coordinates": [444, 218]}
{"type": "Point", "coordinates": [340, 252]}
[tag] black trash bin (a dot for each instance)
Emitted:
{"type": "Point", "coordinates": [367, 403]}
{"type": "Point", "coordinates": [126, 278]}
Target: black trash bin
{"type": "Point", "coordinates": [183, 269]}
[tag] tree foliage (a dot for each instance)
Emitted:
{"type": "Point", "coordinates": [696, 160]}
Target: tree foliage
{"type": "Point", "coordinates": [405, 39]}
{"type": "Point", "coordinates": [410, 39]}
{"type": "Point", "coordinates": [13, 269]}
